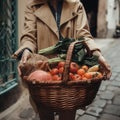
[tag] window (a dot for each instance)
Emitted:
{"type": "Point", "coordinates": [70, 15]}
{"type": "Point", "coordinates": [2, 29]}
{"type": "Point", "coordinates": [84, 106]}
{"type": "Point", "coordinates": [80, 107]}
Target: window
{"type": "Point", "coordinates": [8, 44]}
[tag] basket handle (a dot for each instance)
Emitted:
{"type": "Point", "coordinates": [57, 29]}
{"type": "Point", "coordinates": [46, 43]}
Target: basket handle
{"type": "Point", "coordinates": [65, 76]}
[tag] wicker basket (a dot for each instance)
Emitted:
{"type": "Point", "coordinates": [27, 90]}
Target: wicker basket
{"type": "Point", "coordinates": [65, 94]}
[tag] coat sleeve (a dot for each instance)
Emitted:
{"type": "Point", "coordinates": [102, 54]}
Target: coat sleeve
{"type": "Point", "coordinates": [29, 34]}
{"type": "Point", "coordinates": [83, 29]}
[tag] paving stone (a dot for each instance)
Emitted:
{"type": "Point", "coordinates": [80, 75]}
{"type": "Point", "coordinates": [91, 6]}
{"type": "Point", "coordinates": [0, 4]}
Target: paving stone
{"type": "Point", "coordinates": [117, 92]}
{"type": "Point", "coordinates": [109, 102]}
{"type": "Point", "coordinates": [112, 109]}
{"type": "Point", "coordinates": [105, 83]}
{"type": "Point", "coordinates": [99, 92]}
{"type": "Point", "coordinates": [115, 83]}
{"type": "Point", "coordinates": [27, 113]}
{"type": "Point", "coordinates": [102, 87]}
{"type": "Point", "coordinates": [117, 68]}
{"type": "Point", "coordinates": [109, 117]}
{"type": "Point", "coordinates": [99, 103]}
{"type": "Point", "coordinates": [117, 78]}
{"type": "Point", "coordinates": [97, 97]}
{"type": "Point", "coordinates": [107, 95]}
{"type": "Point", "coordinates": [76, 117]}
{"type": "Point", "coordinates": [95, 111]}
{"type": "Point", "coordinates": [80, 112]}
{"type": "Point", "coordinates": [114, 74]}
{"type": "Point", "coordinates": [116, 100]}
{"type": "Point", "coordinates": [112, 88]}
{"type": "Point", "coordinates": [87, 117]}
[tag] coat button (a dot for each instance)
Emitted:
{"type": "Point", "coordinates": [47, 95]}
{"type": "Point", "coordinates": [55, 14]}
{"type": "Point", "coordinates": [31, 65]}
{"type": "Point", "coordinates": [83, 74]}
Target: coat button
{"type": "Point", "coordinates": [73, 13]}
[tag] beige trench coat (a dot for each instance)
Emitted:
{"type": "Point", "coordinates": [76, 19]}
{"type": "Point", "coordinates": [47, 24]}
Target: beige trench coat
{"type": "Point", "coordinates": [40, 28]}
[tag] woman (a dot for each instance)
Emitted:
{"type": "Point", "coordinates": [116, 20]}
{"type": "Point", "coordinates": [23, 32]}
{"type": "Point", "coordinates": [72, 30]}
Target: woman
{"type": "Point", "coordinates": [46, 22]}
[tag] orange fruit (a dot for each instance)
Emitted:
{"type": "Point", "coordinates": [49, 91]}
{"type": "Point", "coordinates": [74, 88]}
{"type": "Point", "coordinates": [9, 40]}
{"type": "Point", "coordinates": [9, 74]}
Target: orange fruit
{"type": "Point", "coordinates": [99, 76]}
{"type": "Point", "coordinates": [88, 75]}
{"type": "Point", "coordinates": [81, 72]}
{"type": "Point", "coordinates": [85, 67]}
{"type": "Point", "coordinates": [84, 78]}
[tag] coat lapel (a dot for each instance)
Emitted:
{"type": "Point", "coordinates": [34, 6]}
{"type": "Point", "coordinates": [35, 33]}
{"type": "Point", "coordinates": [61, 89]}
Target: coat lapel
{"type": "Point", "coordinates": [68, 12]}
{"type": "Point", "coordinates": [45, 15]}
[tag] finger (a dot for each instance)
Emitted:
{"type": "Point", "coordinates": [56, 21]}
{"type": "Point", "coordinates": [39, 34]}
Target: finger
{"type": "Point", "coordinates": [39, 62]}
{"type": "Point", "coordinates": [24, 59]}
{"type": "Point", "coordinates": [106, 68]}
{"type": "Point", "coordinates": [107, 74]}
{"type": "Point", "coordinates": [26, 55]}
{"type": "Point", "coordinates": [19, 71]}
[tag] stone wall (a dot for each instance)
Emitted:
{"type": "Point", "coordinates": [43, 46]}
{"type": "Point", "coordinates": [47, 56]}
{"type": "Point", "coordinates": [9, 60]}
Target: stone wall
{"type": "Point", "coordinates": [101, 19]}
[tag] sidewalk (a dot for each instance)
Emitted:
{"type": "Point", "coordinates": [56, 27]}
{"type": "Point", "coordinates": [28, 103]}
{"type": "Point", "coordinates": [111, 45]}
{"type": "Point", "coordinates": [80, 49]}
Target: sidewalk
{"type": "Point", "coordinates": [106, 105]}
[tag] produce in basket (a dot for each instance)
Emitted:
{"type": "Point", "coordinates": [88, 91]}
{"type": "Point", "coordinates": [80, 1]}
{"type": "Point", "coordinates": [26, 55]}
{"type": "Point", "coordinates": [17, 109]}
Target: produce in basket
{"type": "Point", "coordinates": [76, 72]}
{"type": "Point", "coordinates": [82, 65]}
{"type": "Point", "coordinates": [39, 75]}
{"type": "Point", "coordinates": [79, 54]}
{"type": "Point", "coordinates": [67, 90]}
{"type": "Point", "coordinates": [35, 62]}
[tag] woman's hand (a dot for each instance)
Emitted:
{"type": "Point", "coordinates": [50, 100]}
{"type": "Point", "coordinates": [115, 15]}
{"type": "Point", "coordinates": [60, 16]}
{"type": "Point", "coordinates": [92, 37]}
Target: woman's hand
{"type": "Point", "coordinates": [25, 56]}
{"type": "Point", "coordinates": [105, 66]}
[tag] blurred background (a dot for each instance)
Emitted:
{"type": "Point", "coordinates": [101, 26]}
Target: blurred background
{"type": "Point", "coordinates": [104, 21]}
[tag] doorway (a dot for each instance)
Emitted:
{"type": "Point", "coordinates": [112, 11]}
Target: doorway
{"type": "Point", "coordinates": [91, 7]}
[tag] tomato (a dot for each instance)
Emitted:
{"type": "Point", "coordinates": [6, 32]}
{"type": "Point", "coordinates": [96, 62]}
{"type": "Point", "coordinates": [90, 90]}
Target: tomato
{"type": "Point", "coordinates": [61, 69]}
{"type": "Point", "coordinates": [81, 71]}
{"type": "Point", "coordinates": [54, 71]}
{"type": "Point", "coordinates": [77, 77]}
{"type": "Point", "coordinates": [74, 67]}
{"type": "Point", "coordinates": [61, 64]}
{"type": "Point", "coordinates": [56, 77]}
{"type": "Point", "coordinates": [71, 76]}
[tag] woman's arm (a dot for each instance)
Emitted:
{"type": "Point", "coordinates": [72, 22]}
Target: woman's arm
{"type": "Point", "coordinates": [29, 35]}
{"type": "Point", "coordinates": [82, 28]}
{"type": "Point", "coordinates": [84, 31]}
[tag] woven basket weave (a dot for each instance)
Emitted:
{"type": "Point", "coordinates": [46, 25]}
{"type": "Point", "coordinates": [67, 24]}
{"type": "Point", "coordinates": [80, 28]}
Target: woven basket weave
{"type": "Point", "coordinates": [65, 94]}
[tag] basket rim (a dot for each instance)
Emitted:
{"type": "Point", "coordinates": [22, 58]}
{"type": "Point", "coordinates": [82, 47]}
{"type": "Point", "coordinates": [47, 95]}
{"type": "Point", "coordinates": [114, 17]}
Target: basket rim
{"type": "Point", "coordinates": [75, 82]}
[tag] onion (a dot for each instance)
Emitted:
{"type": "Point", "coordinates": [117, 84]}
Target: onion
{"type": "Point", "coordinates": [39, 75]}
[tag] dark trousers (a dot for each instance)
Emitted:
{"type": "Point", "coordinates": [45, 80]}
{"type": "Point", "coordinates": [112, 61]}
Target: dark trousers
{"type": "Point", "coordinates": [46, 114]}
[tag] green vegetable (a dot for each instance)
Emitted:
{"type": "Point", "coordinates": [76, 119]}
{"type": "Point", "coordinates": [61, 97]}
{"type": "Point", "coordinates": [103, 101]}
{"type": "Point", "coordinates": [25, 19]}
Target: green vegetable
{"type": "Point", "coordinates": [60, 57]}
{"type": "Point", "coordinates": [79, 54]}
{"type": "Point", "coordinates": [61, 47]}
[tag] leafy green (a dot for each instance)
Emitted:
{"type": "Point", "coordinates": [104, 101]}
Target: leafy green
{"type": "Point", "coordinates": [79, 54]}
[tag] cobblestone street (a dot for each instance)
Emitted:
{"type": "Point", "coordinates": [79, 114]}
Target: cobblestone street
{"type": "Point", "coordinates": [106, 105]}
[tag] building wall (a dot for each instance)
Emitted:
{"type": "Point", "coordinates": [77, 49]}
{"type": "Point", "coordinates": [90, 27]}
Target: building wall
{"type": "Point", "coordinates": [21, 7]}
{"type": "Point", "coordinates": [101, 19]}
{"type": "Point", "coordinates": [112, 16]}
